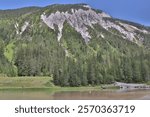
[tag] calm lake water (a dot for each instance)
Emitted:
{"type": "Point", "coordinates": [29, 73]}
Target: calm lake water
{"type": "Point", "coordinates": [75, 95]}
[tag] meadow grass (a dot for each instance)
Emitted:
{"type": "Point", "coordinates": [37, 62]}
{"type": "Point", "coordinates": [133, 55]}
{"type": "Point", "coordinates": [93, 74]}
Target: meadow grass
{"type": "Point", "coordinates": [26, 82]}
{"type": "Point", "coordinates": [37, 83]}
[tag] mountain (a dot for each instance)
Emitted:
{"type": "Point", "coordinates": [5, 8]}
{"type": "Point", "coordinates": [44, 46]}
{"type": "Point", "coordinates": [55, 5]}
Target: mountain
{"type": "Point", "coordinates": [75, 44]}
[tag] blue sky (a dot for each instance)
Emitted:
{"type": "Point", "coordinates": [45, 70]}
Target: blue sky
{"type": "Point", "coordinates": [132, 10]}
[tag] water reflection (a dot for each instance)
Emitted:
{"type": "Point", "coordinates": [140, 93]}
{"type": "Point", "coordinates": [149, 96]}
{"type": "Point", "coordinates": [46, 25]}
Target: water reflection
{"type": "Point", "coordinates": [75, 95]}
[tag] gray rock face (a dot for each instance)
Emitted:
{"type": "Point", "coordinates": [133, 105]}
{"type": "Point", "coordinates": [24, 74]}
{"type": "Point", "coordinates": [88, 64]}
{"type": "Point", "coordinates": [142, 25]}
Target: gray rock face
{"type": "Point", "coordinates": [23, 28]}
{"type": "Point", "coordinates": [81, 19]}
{"type": "Point", "coordinates": [78, 19]}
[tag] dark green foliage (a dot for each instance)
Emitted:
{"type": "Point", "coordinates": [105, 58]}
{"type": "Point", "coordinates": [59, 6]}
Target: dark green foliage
{"type": "Point", "coordinates": [5, 14]}
{"type": "Point", "coordinates": [37, 52]}
{"type": "Point", "coordinates": [6, 68]}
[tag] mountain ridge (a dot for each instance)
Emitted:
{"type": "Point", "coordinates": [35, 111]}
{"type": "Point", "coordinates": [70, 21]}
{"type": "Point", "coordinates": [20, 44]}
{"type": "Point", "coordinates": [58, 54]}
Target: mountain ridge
{"type": "Point", "coordinates": [75, 44]}
{"type": "Point", "coordinates": [82, 5]}
{"type": "Point", "coordinates": [40, 7]}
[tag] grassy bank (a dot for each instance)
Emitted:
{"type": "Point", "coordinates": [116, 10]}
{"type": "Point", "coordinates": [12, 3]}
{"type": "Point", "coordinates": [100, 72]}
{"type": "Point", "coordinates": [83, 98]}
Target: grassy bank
{"type": "Point", "coordinates": [148, 83]}
{"type": "Point", "coordinates": [37, 83]}
{"type": "Point", "coordinates": [25, 82]}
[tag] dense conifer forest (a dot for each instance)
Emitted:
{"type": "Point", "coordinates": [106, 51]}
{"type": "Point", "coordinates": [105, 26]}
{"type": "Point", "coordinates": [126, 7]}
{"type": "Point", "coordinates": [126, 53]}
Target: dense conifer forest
{"type": "Point", "coordinates": [70, 62]}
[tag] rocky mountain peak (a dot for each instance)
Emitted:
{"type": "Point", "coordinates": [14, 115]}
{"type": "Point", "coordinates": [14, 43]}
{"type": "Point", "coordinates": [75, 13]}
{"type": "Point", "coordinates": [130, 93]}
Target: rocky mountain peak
{"type": "Point", "coordinates": [74, 44]}
{"type": "Point", "coordinates": [80, 19]}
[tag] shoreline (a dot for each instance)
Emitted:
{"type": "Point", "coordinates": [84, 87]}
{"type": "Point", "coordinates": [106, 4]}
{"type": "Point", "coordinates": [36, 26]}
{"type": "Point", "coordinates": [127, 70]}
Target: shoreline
{"type": "Point", "coordinates": [42, 83]}
{"type": "Point", "coordinates": [55, 88]}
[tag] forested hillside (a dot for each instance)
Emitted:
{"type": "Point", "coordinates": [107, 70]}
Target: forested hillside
{"type": "Point", "coordinates": [74, 44]}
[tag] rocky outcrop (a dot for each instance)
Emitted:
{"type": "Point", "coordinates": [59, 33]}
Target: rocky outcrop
{"type": "Point", "coordinates": [23, 28]}
{"type": "Point", "coordinates": [17, 28]}
{"type": "Point", "coordinates": [81, 19]}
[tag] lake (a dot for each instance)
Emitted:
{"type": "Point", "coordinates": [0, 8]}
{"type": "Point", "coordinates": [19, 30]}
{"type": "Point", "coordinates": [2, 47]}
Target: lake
{"type": "Point", "coordinates": [74, 95]}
